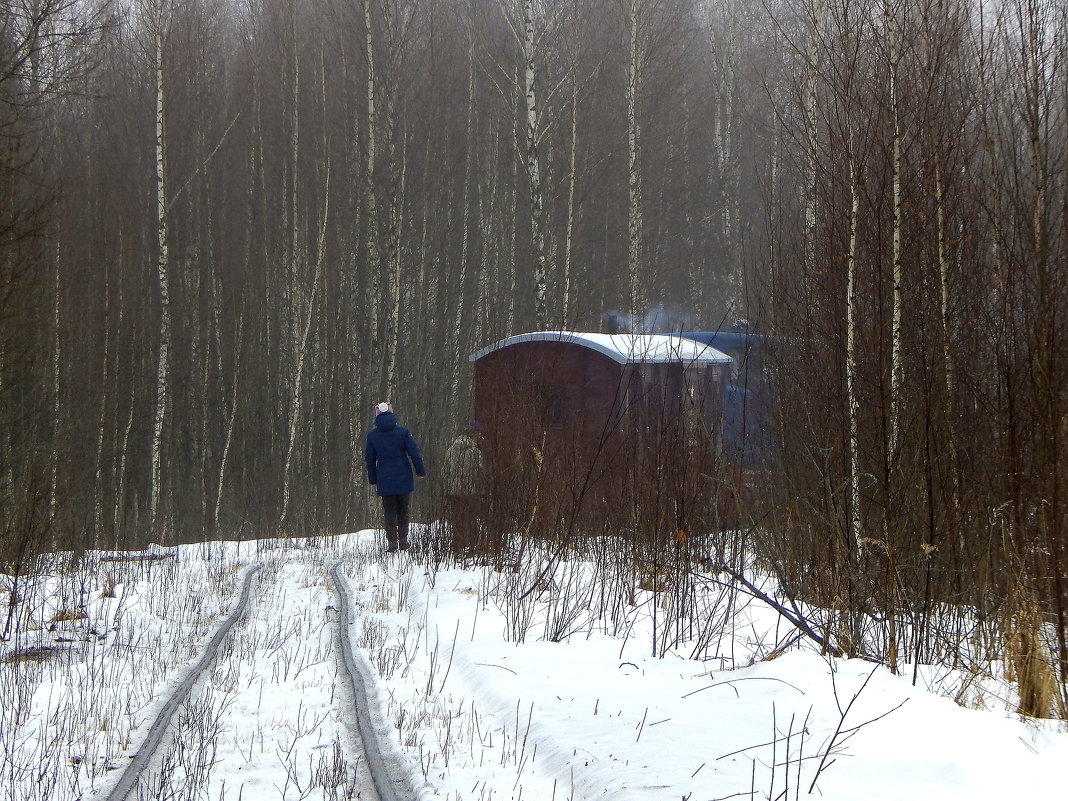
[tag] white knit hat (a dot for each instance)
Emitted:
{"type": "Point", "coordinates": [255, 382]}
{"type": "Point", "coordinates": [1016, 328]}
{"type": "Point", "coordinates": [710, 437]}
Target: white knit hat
{"type": "Point", "coordinates": [382, 408]}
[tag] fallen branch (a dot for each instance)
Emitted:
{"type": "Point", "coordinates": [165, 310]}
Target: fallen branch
{"type": "Point", "coordinates": [793, 616]}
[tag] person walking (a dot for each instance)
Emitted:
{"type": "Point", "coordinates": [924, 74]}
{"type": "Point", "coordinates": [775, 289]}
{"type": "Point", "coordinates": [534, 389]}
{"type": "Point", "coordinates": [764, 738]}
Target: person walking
{"type": "Point", "coordinates": [390, 454]}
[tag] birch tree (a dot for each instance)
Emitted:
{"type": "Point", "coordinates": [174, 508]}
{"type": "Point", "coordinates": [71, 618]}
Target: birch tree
{"type": "Point", "coordinates": [851, 358]}
{"type": "Point", "coordinates": [532, 25]}
{"type": "Point", "coordinates": [301, 298]}
{"type": "Point", "coordinates": [635, 67]}
{"type": "Point", "coordinates": [400, 32]}
{"type": "Point", "coordinates": [537, 203]}
{"type": "Point", "coordinates": [156, 31]}
{"type": "Point", "coordinates": [897, 362]}
{"type": "Point", "coordinates": [811, 98]}
{"type": "Point", "coordinates": [370, 199]}
{"type": "Point", "coordinates": [455, 345]}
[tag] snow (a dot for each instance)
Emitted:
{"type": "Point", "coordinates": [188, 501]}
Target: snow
{"type": "Point", "coordinates": [475, 697]}
{"type": "Point", "coordinates": [622, 348]}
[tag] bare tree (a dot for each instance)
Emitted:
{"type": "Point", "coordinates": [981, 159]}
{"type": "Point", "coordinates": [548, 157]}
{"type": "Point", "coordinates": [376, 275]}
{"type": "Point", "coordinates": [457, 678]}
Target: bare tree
{"type": "Point", "coordinates": [155, 21]}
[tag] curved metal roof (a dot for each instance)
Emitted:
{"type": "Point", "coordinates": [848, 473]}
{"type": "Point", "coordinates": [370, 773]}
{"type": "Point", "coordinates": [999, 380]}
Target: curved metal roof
{"type": "Point", "coordinates": [622, 348]}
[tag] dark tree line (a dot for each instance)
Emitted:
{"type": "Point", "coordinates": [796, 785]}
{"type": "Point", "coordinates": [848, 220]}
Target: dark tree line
{"type": "Point", "coordinates": [925, 449]}
{"type": "Point", "coordinates": [268, 216]}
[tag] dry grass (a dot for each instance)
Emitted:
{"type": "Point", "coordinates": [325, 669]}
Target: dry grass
{"type": "Point", "coordinates": [67, 616]}
{"type": "Point", "coordinates": [34, 654]}
{"type": "Point", "coordinates": [1028, 662]}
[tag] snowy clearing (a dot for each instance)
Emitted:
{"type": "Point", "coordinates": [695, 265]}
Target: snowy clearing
{"type": "Point", "coordinates": [474, 698]}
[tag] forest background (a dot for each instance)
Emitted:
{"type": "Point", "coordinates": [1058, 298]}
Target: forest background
{"type": "Point", "coordinates": [227, 229]}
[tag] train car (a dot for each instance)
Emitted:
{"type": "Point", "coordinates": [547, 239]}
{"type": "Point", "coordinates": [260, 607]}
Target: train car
{"type": "Point", "coordinates": [574, 422]}
{"type": "Point", "coordinates": [748, 411]}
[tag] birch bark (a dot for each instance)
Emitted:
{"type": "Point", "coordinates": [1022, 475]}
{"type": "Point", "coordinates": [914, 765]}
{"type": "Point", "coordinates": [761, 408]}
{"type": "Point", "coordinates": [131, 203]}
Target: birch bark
{"type": "Point", "coordinates": [565, 299]}
{"type": "Point", "coordinates": [163, 283]}
{"type": "Point", "coordinates": [393, 250]}
{"type": "Point", "coordinates": [947, 342]}
{"type": "Point", "coordinates": [533, 162]}
{"type": "Point", "coordinates": [851, 363]}
{"type": "Point", "coordinates": [120, 470]}
{"type": "Point", "coordinates": [102, 421]}
{"type": "Point", "coordinates": [456, 325]}
{"type": "Point", "coordinates": [57, 403]}
{"type": "Point", "coordinates": [298, 319]}
{"type": "Point", "coordinates": [374, 260]}
{"type": "Point", "coordinates": [636, 289]}
{"type": "Point", "coordinates": [811, 131]}
{"type": "Point", "coordinates": [513, 247]}
{"type": "Point", "coordinates": [897, 363]}
{"type": "Point", "coordinates": [296, 405]}
{"type": "Point", "coordinates": [229, 422]}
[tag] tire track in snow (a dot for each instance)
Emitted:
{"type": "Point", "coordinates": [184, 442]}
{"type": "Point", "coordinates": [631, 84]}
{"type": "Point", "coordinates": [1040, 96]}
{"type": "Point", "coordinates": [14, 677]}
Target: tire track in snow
{"type": "Point", "coordinates": [384, 763]}
{"type": "Point", "coordinates": [150, 745]}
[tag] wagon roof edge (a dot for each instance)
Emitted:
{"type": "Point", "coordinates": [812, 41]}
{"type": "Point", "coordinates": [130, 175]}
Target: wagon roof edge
{"type": "Point", "coordinates": [621, 348]}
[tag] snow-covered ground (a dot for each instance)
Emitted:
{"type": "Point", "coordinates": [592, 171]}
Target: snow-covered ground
{"type": "Point", "coordinates": [484, 694]}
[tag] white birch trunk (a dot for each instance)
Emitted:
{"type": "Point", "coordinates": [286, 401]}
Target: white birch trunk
{"type": "Point", "coordinates": [426, 284]}
{"type": "Point", "coordinates": [636, 290]}
{"type": "Point", "coordinates": [162, 270]}
{"type": "Point", "coordinates": [513, 234]}
{"type": "Point", "coordinates": [725, 153]}
{"type": "Point", "coordinates": [456, 325]}
{"type": "Point", "coordinates": [484, 275]}
{"type": "Point", "coordinates": [851, 364]}
{"type": "Point", "coordinates": [897, 363]}
{"type": "Point", "coordinates": [294, 255]}
{"type": "Point", "coordinates": [565, 300]}
{"type": "Point", "coordinates": [296, 404]}
{"type": "Point", "coordinates": [300, 310]}
{"type": "Point", "coordinates": [393, 248]}
{"type": "Point", "coordinates": [537, 222]}
{"type": "Point", "coordinates": [53, 487]}
{"type": "Point", "coordinates": [120, 472]}
{"type": "Point", "coordinates": [489, 220]}
{"type": "Point", "coordinates": [101, 422]}
{"type": "Point", "coordinates": [7, 480]}
{"type": "Point", "coordinates": [374, 260]}
{"type": "Point", "coordinates": [811, 130]}
{"type": "Point", "coordinates": [230, 421]}
{"type": "Point", "coordinates": [947, 345]}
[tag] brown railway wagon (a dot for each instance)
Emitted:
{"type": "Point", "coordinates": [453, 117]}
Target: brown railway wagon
{"type": "Point", "coordinates": [577, 425]}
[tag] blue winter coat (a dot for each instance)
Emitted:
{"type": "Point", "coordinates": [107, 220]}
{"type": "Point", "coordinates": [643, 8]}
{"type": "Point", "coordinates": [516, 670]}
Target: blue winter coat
{"type": "Point", "coordinates": [387, 453]}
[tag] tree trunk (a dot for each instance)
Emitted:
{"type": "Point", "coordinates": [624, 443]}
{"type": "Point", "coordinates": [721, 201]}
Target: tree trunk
{"type": "Point", "coordinates": [636, 290]}
{"type": "Point", "coordinates": [565, 292]}
{"type": "Point", "coordinates": [397, 165]}
{"type": "Point", "coordinates": [812, 67]}
{"type": "Point", "coordinates": [533, 163]}
{"type": "Point", "coordinates": [374, 259]}
{"type": "Point", "coordinates": [897, 361]}
{"type": "Point", "coordinates": [57, 399]}
{"type": "Point", "coordinates": [851, 364]}
{"type": "Point", "coordinates": [163, 276]}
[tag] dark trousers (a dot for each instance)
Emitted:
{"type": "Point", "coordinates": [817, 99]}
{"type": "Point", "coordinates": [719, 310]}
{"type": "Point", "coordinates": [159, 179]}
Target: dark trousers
{"type": "Point", "coordinates": [396, 511]}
